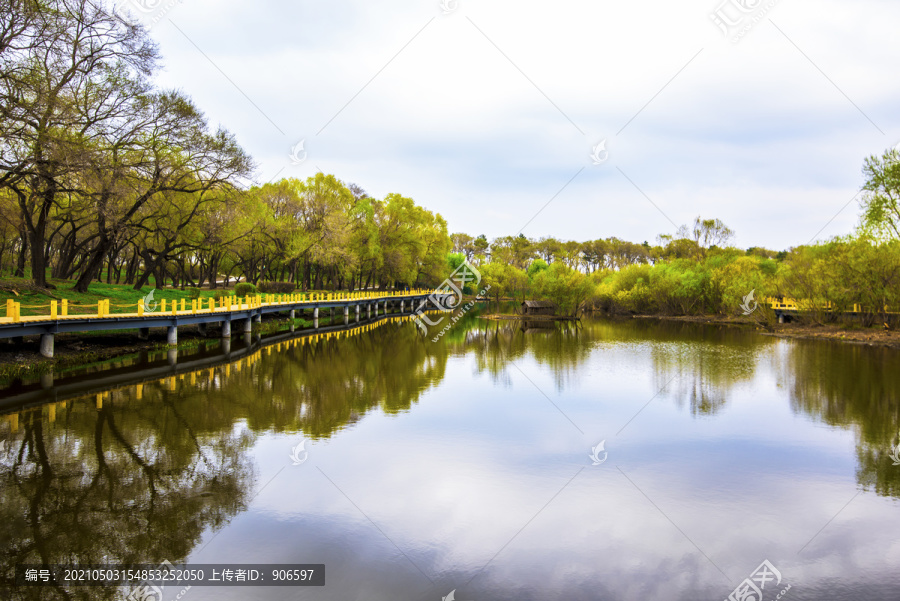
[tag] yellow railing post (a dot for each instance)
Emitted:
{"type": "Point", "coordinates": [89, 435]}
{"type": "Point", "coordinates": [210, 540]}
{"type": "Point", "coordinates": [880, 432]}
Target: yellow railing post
{"type": "Point", "coordinates": [99, 308]}
{"type": "Point", "coordinates": [52, 309]}
{"type": "Point", "coordinates": [10, 308]}
{"type": "Point", "coordinates": [212, 304]}
{"type": "Point", "coordinates": [17, 310]}
{"type": "Point", "coordinates": [174, 307]}
{"type": "Point", "coordinates": [182, 304]}
{"type": "Point", "coordinates": [193, 307]}
{"type": "Point", "coordinates": [162, 306]}
{"type": "Point", "coordinates": [65, 307]}
{"type": "Point", "coordinates": [140, 307]}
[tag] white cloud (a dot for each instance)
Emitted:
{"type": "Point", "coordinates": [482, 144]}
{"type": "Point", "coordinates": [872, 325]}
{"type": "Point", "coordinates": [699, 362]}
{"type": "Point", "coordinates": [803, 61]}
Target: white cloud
{"type": "Point", "coordinates": [752, 132]}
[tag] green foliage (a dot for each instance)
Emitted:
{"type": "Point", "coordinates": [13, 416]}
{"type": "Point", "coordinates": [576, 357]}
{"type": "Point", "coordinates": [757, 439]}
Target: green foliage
{"type": "Point", "coordinates": [245, 289]}
{"type": "Point", "coordinates": [564, 286]}
{"type": "Point", "coordinates": [277, 287]}
{"type": "Point", "coordinates": [536, 267]}
{"type": "Point", "coordinates": [193, 293]}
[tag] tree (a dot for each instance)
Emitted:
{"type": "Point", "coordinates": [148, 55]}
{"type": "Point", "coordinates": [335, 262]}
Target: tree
{"type": "Point", "coordinates": [70, 83]}
{"type": "Point", "coordinates": [881, 199]}
{"type": "Point", "coordinates": [706, 233]}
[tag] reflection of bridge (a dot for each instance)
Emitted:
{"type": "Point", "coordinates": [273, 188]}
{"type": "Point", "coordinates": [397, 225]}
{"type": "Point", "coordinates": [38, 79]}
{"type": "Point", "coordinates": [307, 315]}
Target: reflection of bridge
{"type": "Point", "coordinates": [202, 312]}
{"type": "Point", "coordinates": [193, 367]}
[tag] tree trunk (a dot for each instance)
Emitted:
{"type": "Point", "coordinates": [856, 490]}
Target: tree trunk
{"type": "Point", "coordinates": [23, 251]}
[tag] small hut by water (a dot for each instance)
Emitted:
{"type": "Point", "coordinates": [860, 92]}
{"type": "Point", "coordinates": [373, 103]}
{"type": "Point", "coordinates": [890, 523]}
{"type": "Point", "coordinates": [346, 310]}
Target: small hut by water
{"type": "Point", "coordinates": [531, 307]}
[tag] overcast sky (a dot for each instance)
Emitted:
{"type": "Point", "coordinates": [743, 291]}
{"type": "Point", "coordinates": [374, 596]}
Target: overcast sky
{"type": "Point", "coordinates": [487, 111]}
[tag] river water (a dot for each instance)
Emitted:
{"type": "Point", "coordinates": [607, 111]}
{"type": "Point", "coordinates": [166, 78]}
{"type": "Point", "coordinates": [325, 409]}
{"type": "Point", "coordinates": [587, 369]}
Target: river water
{"type": "Point", "coordinates": [602, 461]}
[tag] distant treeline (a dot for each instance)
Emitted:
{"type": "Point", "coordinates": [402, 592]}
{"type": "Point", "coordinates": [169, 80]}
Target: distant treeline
{"type": "Point", "coordinates": [696, 272]}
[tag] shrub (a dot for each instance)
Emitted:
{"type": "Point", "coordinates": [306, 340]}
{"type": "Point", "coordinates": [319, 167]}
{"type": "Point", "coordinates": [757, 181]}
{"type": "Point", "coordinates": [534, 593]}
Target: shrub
{"type": "Point", "coordinates": [244, 289]}
{"type": "Point", "coordinates": [277, 287]}
{"type": "Point", "coordinates": [221, 294]}
{"type": "Point", "coordinates": [194, 293]}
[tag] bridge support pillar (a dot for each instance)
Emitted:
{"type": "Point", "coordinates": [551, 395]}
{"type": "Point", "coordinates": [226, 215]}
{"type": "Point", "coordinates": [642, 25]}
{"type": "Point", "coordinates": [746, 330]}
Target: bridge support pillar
{"type": "Point", "coordinates": [172, 356]}
{"type": "Point", "coordinates": [47, 345]}
{"type": "Point", "coordinates": [248, 325]}
{"type": "Point", "coordinates": [226, 329]}
{"type": "Point", "coordinates": [258, 318]}
{"type": "Point", "coordinates": [781, 318]}
{"type": "Point", "coordinates": [172, 335]}
{"type": "Point", "coordinates": [368, 310]}
{"type": "Point", "coordinates": [357, 312]}
{"type": "Point", "coordinates": [402, 306]}
{"type": "Point", "coordinates": [143, 333]}
{"type": "Point", "coordinates": [248, 338]}
{"type": "Point", "coordinates": [376, 309]}
{"type": "Point", "coordinates": [293, 314]}
{"type": "Point", "coordinates": [226, 343]}
{"type": "Point", "coordinates": [316, 318]}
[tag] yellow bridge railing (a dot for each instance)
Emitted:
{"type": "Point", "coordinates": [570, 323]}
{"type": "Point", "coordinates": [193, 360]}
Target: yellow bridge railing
{"type": "Point", "coordinates": [800, 305]}
{"type": "Point", "coordinates": [57, 310]}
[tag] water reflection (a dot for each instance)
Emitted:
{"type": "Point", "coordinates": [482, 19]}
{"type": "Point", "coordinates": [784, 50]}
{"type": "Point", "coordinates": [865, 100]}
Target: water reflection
{"type": "Point", "coordinates": [146, 472]}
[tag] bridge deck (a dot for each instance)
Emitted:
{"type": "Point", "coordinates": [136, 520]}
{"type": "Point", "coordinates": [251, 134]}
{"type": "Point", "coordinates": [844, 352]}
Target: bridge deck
{"type": "Point", "coordinates": [29, 325]}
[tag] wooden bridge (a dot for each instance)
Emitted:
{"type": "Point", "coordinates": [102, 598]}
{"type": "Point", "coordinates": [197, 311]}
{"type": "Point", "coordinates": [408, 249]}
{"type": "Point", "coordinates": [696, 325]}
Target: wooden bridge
{"type": "Point", "coordinates": [202, 312]}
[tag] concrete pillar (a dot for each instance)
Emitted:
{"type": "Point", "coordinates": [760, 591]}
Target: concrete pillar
{"type": "Point", "coordinates": [172, 335]}
{"type": "Point", "coordinates": [346, 312]}
{"type": "Point", "coordinates": [402, 304]}
{"type": "Point", "coordinates": [376, 309]}
{"type": "Point", "coordinates": [258, 318]}
{"type": "Point", "coordinates": [226, 328]}
{"type": "Point", "coordinates": [143, 333]}
{"type": "Point", "coordinates": [248, 325]}
{"type": "Point", "coordinates": [357, 312]}
{"type": "Point", "coordinates": [292, 326]}
{"type": "Point", "coordinates": [248, 338]}
{"type": "Point", "coordinates": [293, 314]}
{"type": "Point", "coordinates": [316, 317]}
{"type": "Point", "coordinates": [781, 318]}
{"type": "Point", "coordinates": [172, 356]}
{"type": "Point", "coordinates": [47, 345]}
{"type": "Point", "coordinates": [346, 317]}
{"type": "Point", "coordinates": [226, 342]}
{"type": "Point", "coordinates": [368, 310]}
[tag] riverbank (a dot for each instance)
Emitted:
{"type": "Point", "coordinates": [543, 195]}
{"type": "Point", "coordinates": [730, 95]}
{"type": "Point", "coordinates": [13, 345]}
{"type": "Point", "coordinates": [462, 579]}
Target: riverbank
{"type": "Point", "coordinates": [874, 336]}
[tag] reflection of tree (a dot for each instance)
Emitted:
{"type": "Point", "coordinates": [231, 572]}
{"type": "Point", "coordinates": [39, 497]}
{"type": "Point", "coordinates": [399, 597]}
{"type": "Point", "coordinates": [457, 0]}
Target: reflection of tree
{"type": "Point", "coordinates": [495, 344]}
{"type": "Point", "coordinates": [320, 384]}
{"type": "Point", "coordinates": [131, 482]}
{"type": "Point", "coordinates": [706, 361]}
{"type": "Point", "coordinates": [137, 475]}
{"type": "Point", "coordinates": [702, 364]}
{"type": "Point", "coordinates": [852, 386]}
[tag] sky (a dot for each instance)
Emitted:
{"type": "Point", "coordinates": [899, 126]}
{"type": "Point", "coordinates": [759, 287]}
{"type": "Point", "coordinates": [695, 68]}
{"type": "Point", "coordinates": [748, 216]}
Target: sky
{"type": "Point", "coordinates": [572, 119]}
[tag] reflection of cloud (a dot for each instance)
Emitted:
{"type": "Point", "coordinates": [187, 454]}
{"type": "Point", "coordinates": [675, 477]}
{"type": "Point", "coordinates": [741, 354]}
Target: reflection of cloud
{"type": "Point", "coordinates": [451, 510]}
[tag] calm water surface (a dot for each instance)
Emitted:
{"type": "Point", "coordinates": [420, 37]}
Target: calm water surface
{"type": "Point", "coordinates": [467, 465]}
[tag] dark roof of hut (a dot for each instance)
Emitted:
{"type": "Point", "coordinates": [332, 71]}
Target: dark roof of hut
{"type": "Point", "coordinates": [531, 304]}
